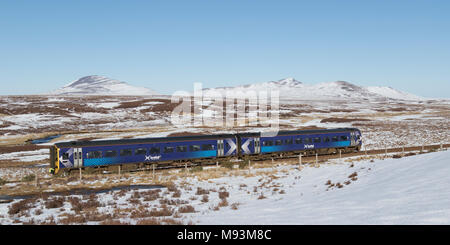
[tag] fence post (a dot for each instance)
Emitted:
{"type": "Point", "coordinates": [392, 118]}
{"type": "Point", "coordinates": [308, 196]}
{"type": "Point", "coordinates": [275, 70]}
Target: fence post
{"type": "Point", "coordinates": [119, 170]}
{"type": "Point", "coordinates": [37, 177]}
{"type": "Point", "coordinates": [340, 156]}
{"type": "Point", "coordinates": [317, 160]}
{"type": "Point", "coordinates": [385, 151]}
{"type": "Point", "coordinates": [422, 148]}
{"type": "Point", "coordinates": [441, 146]}
{"type": "Point", "coordinates": [403, 150]}
{"type": "Point", "coordinates": [272, 161]}
{"type": "Point", "coordinates": [80, 173]}
{"type": "Point", "coordinates": [300, 159]}
{"type": "Point", "coordinates": [153, 172]}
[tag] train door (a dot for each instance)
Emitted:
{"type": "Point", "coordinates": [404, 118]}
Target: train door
{"type": "Point", "coordinates": [352, 138]}
{"type": "Point", "coordinates": [77, 157]}
{"type": "Point", "coordinates": [257, 146]}
{"type": "Point", "coordinates": [220, 148]}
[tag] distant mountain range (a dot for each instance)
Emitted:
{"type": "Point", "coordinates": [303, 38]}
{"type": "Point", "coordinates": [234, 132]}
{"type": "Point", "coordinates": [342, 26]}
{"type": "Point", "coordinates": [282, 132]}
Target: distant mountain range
{"type": "Point", "coordinates": [288, 88]}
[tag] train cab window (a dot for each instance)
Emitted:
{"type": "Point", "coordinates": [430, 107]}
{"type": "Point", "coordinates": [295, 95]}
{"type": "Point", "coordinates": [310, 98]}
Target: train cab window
{"type": "Point", "coordinates": [65, 156]}
{"type": "Point", "coordinates": [317, 140]}
{"type": "Point", "coordinates": [168, 149]}
{"type": "Point", "coordinates": [207, 147]}
{"type": "Point", "coordinates": [154, 150]}
{"type": "Point", "coordinates": [267, 143]}
{"type": "Point", "coordinates": [344, 138]}
{"type": "Point", "coordinates": [288, 141]}
{"type": "Point", "coordinates": [110, 153]}
{"type": "Point", "coordinates": [298, 140]}
{"type": "Point", "coordinates": [326, 139]}
{"type": "Point", "coordinates": [307, 140]}
{"type": "Point", "coordinates": [94, 154]}
{"type": "Point", "coordinates": [335, 139]}
{"type": "Point", "coordinates": [278, 142]}
{"type": "Point", "coordinates": [140, 151]}
{"type": "Point", "coordinates": [126, 152]}
{"type": "Point", "coordinates": [194, 148]}
{"type": "Point", "coordinates": [181, 148]}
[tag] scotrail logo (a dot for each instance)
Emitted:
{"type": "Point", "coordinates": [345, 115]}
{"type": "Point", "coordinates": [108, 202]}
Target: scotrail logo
{"type": "Point", "coordinates": [152, 158]}
{"type": "Point", "coordinates": [309, 146]}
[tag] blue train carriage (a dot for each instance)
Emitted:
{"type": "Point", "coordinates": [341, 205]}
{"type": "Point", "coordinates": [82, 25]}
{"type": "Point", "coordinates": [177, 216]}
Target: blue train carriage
{"type": "Point", "coordinates": [80, 154]}
{"type": "Point", "coordinates": [310, 142]}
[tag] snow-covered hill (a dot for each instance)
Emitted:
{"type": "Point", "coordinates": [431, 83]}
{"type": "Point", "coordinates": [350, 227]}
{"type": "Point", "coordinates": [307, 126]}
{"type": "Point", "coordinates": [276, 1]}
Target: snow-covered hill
{"type": "Point", "coordinates": [99, 85]}
{"type": "Point", "coordinates": [290, 88]}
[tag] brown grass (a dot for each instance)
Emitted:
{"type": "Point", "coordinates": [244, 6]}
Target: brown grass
{"type": "Point", "coordinates": [354, 174]}
{"type": "Point", "coordinates": [261, 196]}
{"type": "Point", "coordinates": [224, 194]}
{"type": "Point", "coordinates": [186, 209]}
{"type": "Point", "coordinates": [201, 191]}
{"type": "Point", "coordinates": [21, 206]}
{"type": "Point", "coordinates": [342, 120]}
{"type": "Point", "coordinates": [54, 202]}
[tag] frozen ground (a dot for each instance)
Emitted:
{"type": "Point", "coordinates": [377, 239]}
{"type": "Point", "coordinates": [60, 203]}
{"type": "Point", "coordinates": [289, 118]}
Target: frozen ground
{"type": "Point", "coordinates": [391, 123]}
{"type": "Point", "coordinates": [409, 190]}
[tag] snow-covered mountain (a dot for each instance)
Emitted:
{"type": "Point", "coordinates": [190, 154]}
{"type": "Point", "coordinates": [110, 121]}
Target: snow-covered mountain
{"type": "Point", "coordinates": [99, 85]}
{"type": "Point", "coordinates": [290, 88]}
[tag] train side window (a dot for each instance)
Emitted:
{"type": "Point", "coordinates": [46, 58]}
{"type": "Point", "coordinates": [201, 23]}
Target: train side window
{"type": "Point", "coordinates": [298, 140]}
{"type": "Point", "coordinates": [278, 142]}
{"type": "Point", "coordinates": [288, 141]}
{"type": "Point", "coordinates": [110, 153]}
{"type": "Point", "coordinates": [140, 151]}
{"type": "Point", "coordinates": [154, 150]}
{"type": "Point", "coordinates": [344, 138]}
{"type": "Point", "coordinates": [307, 140]}
{"type": "Point", "coordinates": [65, 156]}
{"type": "Point", "coordinates": [126, 152]}
{"type": "Point", "coordinates": [207, 147]}
{"type": "Point", "coordinates": [267, 143]}
{"type": "Point", "coordinates": [194, 147]}
{"type": "Point", "coordinates": [317, 140]}
{"type": "Point", "coordinates": [335, 139]}
{"type": "Point", "coordinates": [326, 139]}
{"type": "Point", "coordinates": [181, 148]}
{"type": "Point", "coordinates": [94, 154]}
{"type": "Point", "coordinates": [168, 149]}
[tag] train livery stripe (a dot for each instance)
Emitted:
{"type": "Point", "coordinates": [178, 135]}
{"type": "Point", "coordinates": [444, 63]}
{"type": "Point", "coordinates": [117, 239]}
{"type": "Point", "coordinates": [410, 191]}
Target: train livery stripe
{"type": "Point", "coordinates": [116, 160]}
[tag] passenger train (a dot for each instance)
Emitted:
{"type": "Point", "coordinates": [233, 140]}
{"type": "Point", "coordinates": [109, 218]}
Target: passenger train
{"type": "Point", "coordinates": [65, 156]}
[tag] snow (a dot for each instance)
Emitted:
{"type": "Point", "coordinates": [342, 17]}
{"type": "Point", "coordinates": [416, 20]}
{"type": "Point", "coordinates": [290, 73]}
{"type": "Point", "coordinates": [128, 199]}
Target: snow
{"type": "Point", "coordinates": [409, 190]}
{"type": "Point", "coordinates": [412, 190]}
{"type": "Point", "coordinates": [26, 156]}
{"type": "Point", "coordinates": [290, 89]}
{"type": "Point", "coordinates": [393, 93]}
{"type": "Point", "coordinates": [99, 85]}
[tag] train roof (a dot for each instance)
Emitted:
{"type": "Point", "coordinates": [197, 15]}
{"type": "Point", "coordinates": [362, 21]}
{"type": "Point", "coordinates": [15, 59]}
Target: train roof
{"type": "Point", "coordinates": [193, 137]}
{"type": "Point", "coordinates": [143, 140]}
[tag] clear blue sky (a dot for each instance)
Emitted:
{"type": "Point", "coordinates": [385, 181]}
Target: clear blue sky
{"type": "Point", "coordinates": [168, 45]}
